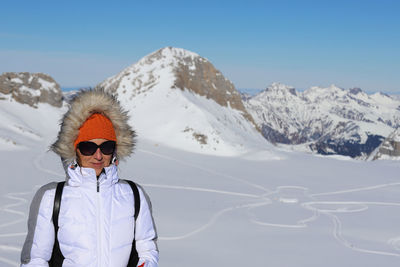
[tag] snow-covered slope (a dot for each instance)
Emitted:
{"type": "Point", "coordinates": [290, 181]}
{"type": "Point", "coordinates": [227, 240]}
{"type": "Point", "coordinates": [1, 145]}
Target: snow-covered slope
{"type": "Point", "coordinates": [231, 211]}
{"type": "Point", "coordinates": [30, 106]}
{"type": "Point", "coordinates": [329, 120]}
{"type": "Point", "coordinates": [178, 98]}
{"type": "Point", "coordinates": [23, 126]}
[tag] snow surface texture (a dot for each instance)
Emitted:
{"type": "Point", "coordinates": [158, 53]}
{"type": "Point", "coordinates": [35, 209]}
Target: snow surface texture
{"type": "Point", "coordinates": [245, 210]}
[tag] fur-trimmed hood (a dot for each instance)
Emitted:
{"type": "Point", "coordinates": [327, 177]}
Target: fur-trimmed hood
{"type": "Point", "coordinates": [82, 106]}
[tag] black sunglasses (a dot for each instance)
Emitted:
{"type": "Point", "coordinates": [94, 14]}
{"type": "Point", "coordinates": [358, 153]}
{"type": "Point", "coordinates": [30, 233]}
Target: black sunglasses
{"type": "Point", "coordinates": [88, 148]}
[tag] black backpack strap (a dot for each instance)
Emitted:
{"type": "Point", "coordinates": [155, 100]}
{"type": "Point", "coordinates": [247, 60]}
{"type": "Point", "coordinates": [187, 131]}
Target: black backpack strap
{"type": "Point", "coordinates": [136, 197]}
{"type": "Point", "coordinates": [134, 257]}
{"type": "Point", "coordinates": [56, 257]}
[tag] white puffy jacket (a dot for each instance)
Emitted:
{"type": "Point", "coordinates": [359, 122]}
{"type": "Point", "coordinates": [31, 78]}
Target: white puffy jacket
{"type": "Point", "coordinates": [96, 222]}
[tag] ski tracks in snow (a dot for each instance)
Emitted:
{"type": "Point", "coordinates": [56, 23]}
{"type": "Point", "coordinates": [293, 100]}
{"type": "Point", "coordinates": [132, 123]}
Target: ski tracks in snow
{"type": "Point", "coordinates": [14, 201]}
{"type": "Point", "coordinates": [312, 204]}
{"type": "Point", "coordinates": [213, 172]}
{"type": "Point", "coordinates": [17, 200]}
{"type": "Point", "coordinates": [281, 194]}
{"type": "Point", "coordinates": [355, 206]}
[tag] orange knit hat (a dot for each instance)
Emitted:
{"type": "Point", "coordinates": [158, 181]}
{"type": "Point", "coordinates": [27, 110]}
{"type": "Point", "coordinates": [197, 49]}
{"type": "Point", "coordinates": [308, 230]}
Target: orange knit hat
{"type": "Point", "coordinates": [96, 126]}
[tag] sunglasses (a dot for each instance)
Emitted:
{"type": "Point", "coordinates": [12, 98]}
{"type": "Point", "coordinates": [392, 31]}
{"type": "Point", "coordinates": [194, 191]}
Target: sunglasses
{"type": "Point", "coordinates": [88, 148]}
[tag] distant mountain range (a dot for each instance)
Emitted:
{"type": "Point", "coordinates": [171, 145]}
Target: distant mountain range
{"type": "Point", "coordinates": [327, 120]}
{"type": "Point", "coordinates": [178, 98]}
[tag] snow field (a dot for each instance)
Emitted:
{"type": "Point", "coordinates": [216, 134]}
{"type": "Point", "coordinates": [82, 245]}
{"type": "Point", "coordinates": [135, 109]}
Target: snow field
{"type": "Point", "coordinates": [263, 207]}
{"type": "Point", "coordinates": [218, 209]}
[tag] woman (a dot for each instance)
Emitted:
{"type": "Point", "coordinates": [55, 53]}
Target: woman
{"type": "Point", "coordinates": [96, 223]}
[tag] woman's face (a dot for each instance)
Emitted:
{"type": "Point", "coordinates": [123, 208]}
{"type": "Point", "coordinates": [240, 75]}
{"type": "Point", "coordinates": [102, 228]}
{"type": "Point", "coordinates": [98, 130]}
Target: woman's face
{"type": "Point", "coordinates": [97, 161]}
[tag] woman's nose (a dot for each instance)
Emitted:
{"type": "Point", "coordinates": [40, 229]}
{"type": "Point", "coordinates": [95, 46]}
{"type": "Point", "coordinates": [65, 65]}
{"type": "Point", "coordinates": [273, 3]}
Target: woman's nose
{"type": "Point", "coordinates": [98, 155]}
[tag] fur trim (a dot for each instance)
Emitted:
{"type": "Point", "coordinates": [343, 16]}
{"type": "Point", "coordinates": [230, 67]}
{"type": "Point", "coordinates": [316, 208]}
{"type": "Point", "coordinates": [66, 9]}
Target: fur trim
{"type": "Point", "coordinates": [82, 106]}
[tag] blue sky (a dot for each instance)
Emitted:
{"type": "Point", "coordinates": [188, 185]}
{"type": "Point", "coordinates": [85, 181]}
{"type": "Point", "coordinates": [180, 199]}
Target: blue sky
{"type": "Point", "coordinates": [253, 43]}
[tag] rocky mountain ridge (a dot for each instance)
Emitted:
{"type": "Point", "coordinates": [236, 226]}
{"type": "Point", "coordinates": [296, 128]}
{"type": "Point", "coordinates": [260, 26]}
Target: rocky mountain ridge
{"type": "Point", "coordinates": [30, 88]}
{"type": "Point", "coordinates": [389, 149]}
{"type": "Point", "coordinates": [330, 120]}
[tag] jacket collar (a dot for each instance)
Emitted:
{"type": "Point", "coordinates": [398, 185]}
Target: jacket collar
{"type": "Point", "coordinates": [86, 177]}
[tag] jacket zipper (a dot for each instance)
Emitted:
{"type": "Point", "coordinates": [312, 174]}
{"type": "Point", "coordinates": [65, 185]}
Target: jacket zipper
{"type": "Point", "coordinates": [99, 243]}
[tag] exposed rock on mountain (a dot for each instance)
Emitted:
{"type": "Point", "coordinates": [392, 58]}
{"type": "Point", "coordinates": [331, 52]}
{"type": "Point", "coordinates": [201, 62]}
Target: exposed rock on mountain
{"type": "Point", "coordinates": [390, 147]}
{"type": "Point", "coordinates": [198, 75]}
{"type": "Point", "coordinates": [331, 120]}
{"type": "Point", "coordinates": [189, 72]}
{"type": "Point", "coordinates": [179, 98]}
{"type": "Point", "coordinates": [30, 88]}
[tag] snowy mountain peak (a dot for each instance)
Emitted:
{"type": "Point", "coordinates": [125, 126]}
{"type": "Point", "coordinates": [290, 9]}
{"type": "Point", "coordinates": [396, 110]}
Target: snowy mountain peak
{"type": "Point", "coordinates": [173, 52]}
{"type": "Point", "coordinates": [168, 57]}
{"type": "Point", "coordinates": [281, 88]}
{"type": "Point", "coordinates": [335, 88]}
{"type": "Point", "coordinates": [184, 90]}
{"type": "Point", "coordinates": [332, 89]}
{"type": "Point", "coordinates": [178, 68]}
{"type": "Point", "coordinates": [30, 88]}
{"type": "Point", "coordinates": [355, 91]}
